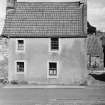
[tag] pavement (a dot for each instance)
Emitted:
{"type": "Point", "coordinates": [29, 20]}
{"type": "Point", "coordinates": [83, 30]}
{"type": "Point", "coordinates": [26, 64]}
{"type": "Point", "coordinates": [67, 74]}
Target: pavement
{"type": "Point", "coordinates": [52, 96]}
{"type": "Point", "coordinates": [50, 86]}
{"type": "Point", "coordinates": [42, 86]}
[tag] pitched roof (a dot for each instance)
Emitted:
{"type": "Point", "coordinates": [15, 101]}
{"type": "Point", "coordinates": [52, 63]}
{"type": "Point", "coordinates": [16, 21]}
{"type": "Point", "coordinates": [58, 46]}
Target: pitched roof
{"type": "Point", "coordinates": [44, 19]}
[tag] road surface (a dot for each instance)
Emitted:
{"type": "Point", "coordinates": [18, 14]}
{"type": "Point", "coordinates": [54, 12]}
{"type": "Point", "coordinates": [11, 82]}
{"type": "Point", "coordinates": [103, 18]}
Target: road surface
{"type": "Point", "coordinates": [49, 96]}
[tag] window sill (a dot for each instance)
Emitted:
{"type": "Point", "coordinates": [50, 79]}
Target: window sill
{"type": "Point", "coordinates": [54, 51]}
{"type": "Point", "coordinates": [20, 73]}
{"type": "Point", "coordinates": [20, 51]}
{"type": "Point", "coordinates": [52, 77]}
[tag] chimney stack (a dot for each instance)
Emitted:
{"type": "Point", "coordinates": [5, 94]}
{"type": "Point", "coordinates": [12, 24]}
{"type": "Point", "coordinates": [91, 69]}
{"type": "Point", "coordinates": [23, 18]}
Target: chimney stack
{"type": "Point", "coordinates": [11, 4]}
{"type": "Point", "coordinates": [83, 1]}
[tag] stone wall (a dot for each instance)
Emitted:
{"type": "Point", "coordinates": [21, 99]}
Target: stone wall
{"type": "Point", "coordinates": [95, 53]}
{"type": "Point", "coordinates": [3, 58]}
{"type": "Point", "coordinates": [4, 68]}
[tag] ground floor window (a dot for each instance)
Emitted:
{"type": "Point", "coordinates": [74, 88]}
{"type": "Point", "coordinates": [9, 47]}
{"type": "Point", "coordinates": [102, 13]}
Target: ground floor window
{"type": "Point", "coordinates": [52, 69]}
{"type": "Point", "coordinates": [20, 66]}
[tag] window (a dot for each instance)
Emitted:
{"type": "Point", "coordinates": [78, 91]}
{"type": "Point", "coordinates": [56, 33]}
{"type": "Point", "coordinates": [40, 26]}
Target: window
{"type": "Point", "coordinates": [20, 67]}
{"type": "Point", "coordinates": [54, 44]}
{"type": "Point", "coordinates": [20, 45]}
{"type": "Point", "coordinates": [52, 68]}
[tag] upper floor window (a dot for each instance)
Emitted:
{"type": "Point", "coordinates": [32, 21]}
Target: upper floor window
{"type": "Point", "coordinates": [20, 45]}
{"type": "Point", "coordinates": [54, 44]}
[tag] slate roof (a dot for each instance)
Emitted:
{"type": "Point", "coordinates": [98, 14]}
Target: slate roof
{"type": "Point", "coordinates": [44, 19]}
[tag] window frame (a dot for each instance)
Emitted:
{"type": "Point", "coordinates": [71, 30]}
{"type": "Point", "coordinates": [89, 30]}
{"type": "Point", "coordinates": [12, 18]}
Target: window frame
{"type": "Point", "coordinates": [52, 76]}
{"type": "Point", "coordinates": [16, 72]}
{"type": "Point", "coordinates": [17, 45]}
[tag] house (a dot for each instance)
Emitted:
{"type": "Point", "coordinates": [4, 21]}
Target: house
{"type": "Point", "coordinates": [46, 42]}
{"type": "Point", "coordinates": [95, 53]}
{"type": "Point", "coordinates": [102, 38]}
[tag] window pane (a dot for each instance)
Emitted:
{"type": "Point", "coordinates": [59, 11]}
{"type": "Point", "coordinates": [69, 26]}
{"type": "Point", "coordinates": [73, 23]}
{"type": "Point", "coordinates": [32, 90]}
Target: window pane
{"type": "Point", "coordinates": [55, 72]}
{"type": "Point", "coordinates": [52, 65]}
{"type": "Point", "coordinates": [20, 47]}
{"type": "Point", "coordinates": [51, 72]}
{"type": "Point", "coordinates": [20, 41]}
{"type": "Point", "coordinates": [54, 39]}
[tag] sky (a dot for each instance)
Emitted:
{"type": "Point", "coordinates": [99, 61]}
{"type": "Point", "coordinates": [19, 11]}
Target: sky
{"type": "Point", "coordinates": [95, 12]}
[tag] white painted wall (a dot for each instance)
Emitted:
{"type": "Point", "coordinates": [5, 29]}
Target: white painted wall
{"type": "Point", "coordinates": [72, 60]}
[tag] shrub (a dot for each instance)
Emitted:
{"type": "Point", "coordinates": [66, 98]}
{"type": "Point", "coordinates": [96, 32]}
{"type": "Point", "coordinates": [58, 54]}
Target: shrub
{"type": "Point", "coordinates": [14, 82]}
{"type": "Point", "coordinates": [23, 82]}
{"type": "Point", "coordinates": [84, 83]}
